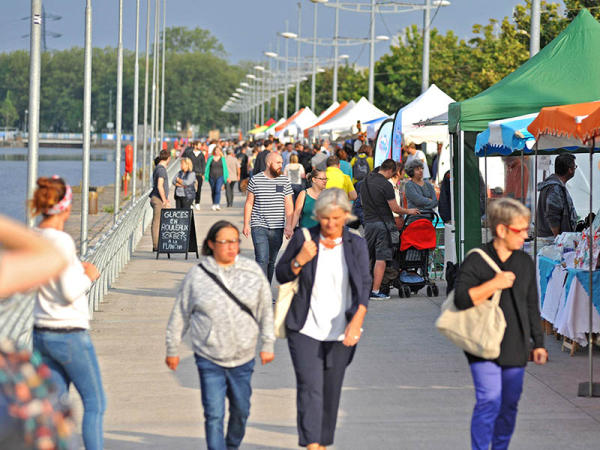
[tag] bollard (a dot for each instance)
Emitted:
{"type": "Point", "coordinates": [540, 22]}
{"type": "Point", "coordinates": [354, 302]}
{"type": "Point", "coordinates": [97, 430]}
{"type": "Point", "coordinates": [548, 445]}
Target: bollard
{"type": "Point", "coordinates": [93, 202]}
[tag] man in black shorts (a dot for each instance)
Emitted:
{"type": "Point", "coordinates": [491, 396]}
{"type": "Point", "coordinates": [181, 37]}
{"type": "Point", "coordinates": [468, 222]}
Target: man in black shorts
{"type": "Point", "coordinates": [378, 202]}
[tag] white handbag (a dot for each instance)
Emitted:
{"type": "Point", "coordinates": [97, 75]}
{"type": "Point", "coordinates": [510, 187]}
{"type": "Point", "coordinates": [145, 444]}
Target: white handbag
{"type": "Point", "coordinates": [284, 298]}
{"type": "Point", "coordinates": [478, 330]}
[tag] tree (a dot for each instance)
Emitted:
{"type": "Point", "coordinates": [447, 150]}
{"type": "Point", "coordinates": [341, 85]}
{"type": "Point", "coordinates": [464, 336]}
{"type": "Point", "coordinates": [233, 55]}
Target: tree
{"type": "Point", "coordinates": [184, 40]}
{"type": "Point", "coordinates": [8, 111]}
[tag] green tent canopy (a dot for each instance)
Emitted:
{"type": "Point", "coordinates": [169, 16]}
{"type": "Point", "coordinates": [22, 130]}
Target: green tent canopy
{"type": "Point", "coordinates": [566, 71]}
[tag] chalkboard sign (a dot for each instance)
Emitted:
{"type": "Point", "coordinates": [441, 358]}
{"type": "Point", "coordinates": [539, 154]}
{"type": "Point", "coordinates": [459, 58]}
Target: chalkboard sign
{"type": "Point", "coordinates": [177, 232]}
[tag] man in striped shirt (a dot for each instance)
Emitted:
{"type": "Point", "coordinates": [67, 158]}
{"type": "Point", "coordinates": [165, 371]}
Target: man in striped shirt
{"type": "Point", "coordinates": [268, 213]}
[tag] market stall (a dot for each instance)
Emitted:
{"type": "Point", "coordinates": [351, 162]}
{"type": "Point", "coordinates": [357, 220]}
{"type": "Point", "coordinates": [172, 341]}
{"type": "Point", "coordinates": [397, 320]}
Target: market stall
{"type": "Point", "coordinates": [311, 133]}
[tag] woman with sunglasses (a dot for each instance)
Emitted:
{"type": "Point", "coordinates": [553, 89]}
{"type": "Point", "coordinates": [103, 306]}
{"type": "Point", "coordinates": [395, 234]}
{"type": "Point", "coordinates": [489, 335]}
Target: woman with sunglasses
{"type": "Point", "coordinates": [498, 383]}
{"type": "Point", "coordinates": [226, 302]}
{"type": "Point", "coordinates": [305, 203]}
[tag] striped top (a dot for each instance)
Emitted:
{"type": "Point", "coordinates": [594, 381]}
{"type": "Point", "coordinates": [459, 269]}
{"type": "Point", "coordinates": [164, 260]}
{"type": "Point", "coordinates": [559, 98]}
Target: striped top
{"type": "Point", "coordinates": [268, 210]}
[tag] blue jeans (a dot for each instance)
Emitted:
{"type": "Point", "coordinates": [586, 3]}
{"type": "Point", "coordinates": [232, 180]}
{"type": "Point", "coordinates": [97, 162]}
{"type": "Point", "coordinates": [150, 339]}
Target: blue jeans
{"type": "Point", "coordinates": [267, 243]}
{"type": "Point", "coordinates": [215, 189]}
{"type": "Point", "coordinates": [497, 392]}
{"type": "Point", "coordinates": [72, 359]}
{"type": "Point", "coordinates": [216, 383]}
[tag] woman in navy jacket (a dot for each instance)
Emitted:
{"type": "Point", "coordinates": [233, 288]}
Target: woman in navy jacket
{"type": "Point", "coordinates": [324, 322]}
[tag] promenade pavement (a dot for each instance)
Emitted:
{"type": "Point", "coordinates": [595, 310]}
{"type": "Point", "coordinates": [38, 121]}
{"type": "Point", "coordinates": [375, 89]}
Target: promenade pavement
{"type": "Point", "coordinates": [407, 387]}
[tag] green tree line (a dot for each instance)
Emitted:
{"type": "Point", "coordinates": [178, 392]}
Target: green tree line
{"type": "Point", "coordinates": [199, 78]}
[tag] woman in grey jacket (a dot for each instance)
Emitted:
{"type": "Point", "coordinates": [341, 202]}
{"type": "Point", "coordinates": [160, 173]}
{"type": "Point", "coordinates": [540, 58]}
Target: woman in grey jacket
{"type": "Point", "coordinates": [185, 181]}
{"type": "Point", "coordinates": [419, 193]}
{"type": "Point", "coordinates": [224, 330]}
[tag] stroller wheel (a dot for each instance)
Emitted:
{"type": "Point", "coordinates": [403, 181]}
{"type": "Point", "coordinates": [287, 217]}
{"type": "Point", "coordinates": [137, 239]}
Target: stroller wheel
{"type": "Point", "coordinates": [401, 291]}
{"type": "Point", "coordinates": [436, 290]}
{"type": "Point", "coordinates": [406, 291]}
{"type": "Point", "coordinates": [429, 291]}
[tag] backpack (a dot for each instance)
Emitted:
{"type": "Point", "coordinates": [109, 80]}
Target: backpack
{"type": "Point", "coordinates": [361, 168]}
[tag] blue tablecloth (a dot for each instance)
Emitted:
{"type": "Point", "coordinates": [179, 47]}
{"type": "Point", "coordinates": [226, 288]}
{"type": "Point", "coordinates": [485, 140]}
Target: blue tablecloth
{"type": "Point", "coordinates": [546, 266]}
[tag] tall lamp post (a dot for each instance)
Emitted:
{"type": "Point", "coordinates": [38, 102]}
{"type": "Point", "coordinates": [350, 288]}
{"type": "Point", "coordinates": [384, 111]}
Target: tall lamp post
{"type": "Point", "coordinates": [387, 8]}
{"type": "Point", "coordinates": [261, 96]}
{"type": "Point", "coordinates": [287, 35]}
{"type": "Point", "coordinates": [253, 118]}
{"type": "Point", "coordinates": [313, 86]}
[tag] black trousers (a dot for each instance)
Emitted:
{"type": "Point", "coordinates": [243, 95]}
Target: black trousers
{"type": "Point", "coordinates": [320, 368]}
{"type": "Point", "coordinates": [183, 202]}
{"type": "Point", "coordinates": [229, 192]}
{"type": "Point", "coordinates": [199, 188]}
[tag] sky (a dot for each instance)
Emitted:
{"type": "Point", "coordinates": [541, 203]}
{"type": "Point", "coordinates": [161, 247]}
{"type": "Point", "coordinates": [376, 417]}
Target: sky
{"type": "Point", "coordinates": [246, 28]}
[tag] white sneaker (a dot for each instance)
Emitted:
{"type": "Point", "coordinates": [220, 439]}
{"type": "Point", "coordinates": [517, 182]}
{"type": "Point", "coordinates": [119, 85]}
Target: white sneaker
{"type": "Point", "coordinates": [213, 207]}
{"type": "Point", "coordinates": [218, 207]}
{"type": "Point", "coordinates": [197, 207]}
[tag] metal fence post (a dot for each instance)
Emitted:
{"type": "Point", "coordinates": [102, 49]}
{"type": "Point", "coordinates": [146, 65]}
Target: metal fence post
{"type": "Point", "coordinates": [87, 114]}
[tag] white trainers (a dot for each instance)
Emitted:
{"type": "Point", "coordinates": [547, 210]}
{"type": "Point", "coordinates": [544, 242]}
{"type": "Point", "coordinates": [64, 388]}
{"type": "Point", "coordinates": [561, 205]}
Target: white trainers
{"type": "Point", "coordinates": [218, 207]}
{"type": "Point", "coordinates": [213, 207]}
{"type": "Point", "coordinates": [197, 207]}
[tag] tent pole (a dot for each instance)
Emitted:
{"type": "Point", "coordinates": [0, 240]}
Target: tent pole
{"type": "Point", "coordinates": [486, 197]}
{"type": "Point", "coordinates": [522, 180]}
{"type": "Point", "coordinates": [591, 389]}
{"type": "Point", "coordinates": [535, 196]}
{"type": "Point", "coordinates": [461, 149]}
{"type": "Point", "coordinates": [452, 215]}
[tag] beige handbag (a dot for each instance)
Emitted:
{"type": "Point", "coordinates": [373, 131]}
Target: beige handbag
{"type": "Point", "coordinates": [284, 298]}
{"type": "Point", "coordinates": [478, 330]}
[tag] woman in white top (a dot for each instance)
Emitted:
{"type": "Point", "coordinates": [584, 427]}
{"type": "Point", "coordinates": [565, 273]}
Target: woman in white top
{"type": "Point", "coordinates": [324, 322]}
{"type": "Point", "coordinates": [61, 314]}
{"type": "Point", "coordinates": [295, 172]}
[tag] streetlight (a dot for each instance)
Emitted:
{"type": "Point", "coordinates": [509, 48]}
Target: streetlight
{"type": "Point", "coordinates": [313, 87]}
{"type": "Point", "coordinates": [260, 98]}
{"type": "Point", "coordinates": [287, 35]}
{"type": "Point", "coordinates": [270, 55]}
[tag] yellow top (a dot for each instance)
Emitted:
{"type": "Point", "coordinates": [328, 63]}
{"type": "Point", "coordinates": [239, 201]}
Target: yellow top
{"type": "Point", "coordinates": [338, 179]}
{"type": "Point", "coordinates": [369, 160]}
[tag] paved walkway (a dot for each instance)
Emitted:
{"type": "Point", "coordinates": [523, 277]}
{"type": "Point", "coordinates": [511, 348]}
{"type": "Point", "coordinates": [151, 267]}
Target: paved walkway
{"type": "Point", "coordinates": [406, 389]}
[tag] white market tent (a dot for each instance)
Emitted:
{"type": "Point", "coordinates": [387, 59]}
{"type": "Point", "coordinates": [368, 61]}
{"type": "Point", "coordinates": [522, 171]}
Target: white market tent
{"type": "Point", "coordinates": [343, 124]}
{"type": "Point", "coordinates": [315, 133]}
{"type": "Point", "coordinates": [294, 128]}
{"type": "Point", "coordinates": [325, 113]}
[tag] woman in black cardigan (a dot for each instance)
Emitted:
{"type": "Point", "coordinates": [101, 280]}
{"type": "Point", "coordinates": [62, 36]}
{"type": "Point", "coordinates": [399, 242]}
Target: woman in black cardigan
{"type": "Point", "coordinates": [498, 383]}
{"type": "Point", "coordinates": [324, 322]}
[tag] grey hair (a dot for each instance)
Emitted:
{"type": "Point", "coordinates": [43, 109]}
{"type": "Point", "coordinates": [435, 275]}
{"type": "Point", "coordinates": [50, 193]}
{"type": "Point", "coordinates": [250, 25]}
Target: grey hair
{"type": "Point", "coordinates": [330, 199]}
{"type": "Point", "coordinates": [503, 211]}
{"type": "Point", "coordinates": [411, 166]}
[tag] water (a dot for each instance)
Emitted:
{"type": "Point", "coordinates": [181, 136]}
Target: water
{"type": "Point", "coordinates": [64, 162]}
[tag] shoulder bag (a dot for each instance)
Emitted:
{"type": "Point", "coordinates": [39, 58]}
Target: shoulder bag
{"type": "Point", "coordinates": [284, 298]}
{"type": "Point", "coordinates": [228, 292]}
{"type": "Point", "coordinates": [478, 330]}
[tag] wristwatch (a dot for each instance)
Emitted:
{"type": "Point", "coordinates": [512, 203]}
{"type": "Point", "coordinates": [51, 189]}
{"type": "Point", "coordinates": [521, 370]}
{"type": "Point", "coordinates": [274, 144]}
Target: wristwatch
{"type": "Point", "coordinates": [296, 264]}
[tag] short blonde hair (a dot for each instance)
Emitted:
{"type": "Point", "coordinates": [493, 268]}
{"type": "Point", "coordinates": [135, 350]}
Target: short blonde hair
{"type": "Point", "coordinates": [503, 211]}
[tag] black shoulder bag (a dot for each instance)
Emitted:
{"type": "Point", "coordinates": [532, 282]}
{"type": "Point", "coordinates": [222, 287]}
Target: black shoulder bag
{"type": "Point", "coordinates": [228, 292]}
{"type": "Point", "coordinates": [393, 234]}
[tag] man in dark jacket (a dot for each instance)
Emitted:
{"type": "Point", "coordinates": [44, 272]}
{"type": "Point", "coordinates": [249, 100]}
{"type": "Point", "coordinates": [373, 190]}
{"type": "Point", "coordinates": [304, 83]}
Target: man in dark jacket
{"type": "Point", "coordinates": [556, 213]}
{"type": "Point", "coordinates": [260, 165]}
{"type": "Point", "coordinates": [199, 165]}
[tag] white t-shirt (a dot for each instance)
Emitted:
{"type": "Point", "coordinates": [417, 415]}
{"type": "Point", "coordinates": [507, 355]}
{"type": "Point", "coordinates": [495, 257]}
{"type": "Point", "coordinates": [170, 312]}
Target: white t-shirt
{"type": "Point", "coordinates": [63, 302]}
{"type": "Point", "coordinates": [421, 157]}
{"type": "Point", "coordinates": [331, 296]}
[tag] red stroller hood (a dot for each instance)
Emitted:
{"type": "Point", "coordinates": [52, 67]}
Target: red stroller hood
{"type": "Point", "coordinates": [420, 234]}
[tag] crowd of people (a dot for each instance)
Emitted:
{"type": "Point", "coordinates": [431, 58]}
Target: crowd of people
{"type": "Point", "coordinates": [354, 213]}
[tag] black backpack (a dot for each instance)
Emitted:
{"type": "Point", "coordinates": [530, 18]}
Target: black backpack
{"type": "Point", "coordinates": [361, 168]}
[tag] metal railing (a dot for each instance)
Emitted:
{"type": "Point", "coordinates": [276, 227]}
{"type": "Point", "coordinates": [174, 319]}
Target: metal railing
{"type": "Point", "coordinates": [110, 255]}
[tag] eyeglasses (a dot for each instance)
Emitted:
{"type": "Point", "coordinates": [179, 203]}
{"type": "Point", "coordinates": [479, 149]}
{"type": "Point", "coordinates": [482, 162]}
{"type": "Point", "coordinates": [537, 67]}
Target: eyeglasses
{"type": "Point", "coordinates": [322, 179]}
{"type": "Point", "coordinates": [228, 241]}
{"type": "Point", "coordinates": [574, 167]}
{"type": "Point", "coordinates": [517, 230]}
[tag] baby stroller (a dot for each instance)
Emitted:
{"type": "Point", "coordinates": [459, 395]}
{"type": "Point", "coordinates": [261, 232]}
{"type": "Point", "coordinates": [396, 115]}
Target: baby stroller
{"type": "Point", "coordinates": [417, 239]}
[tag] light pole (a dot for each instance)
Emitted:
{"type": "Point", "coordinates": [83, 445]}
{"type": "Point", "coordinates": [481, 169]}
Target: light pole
{"type": "Point", "coordinates": [162, 91]}
{"type": "Point", "coordinates": [287, 35]}
{"type": "Point", "coordinates": [146, 75]}
{"type": "Point", "coordinates": [253, 118]}
{"type": "Point", "coordinates": [136, 87]}
{"type": "Point", "coordinates": [119, 113]}
{"type": "Point", "coordinates": [261, 96]}
{"type": "Point", "coordinates": [313, 86]}
{"type": "Point", "coordinates": [534, 42]}
{"type": "Point", "coordinates": [298, 58]}
{"type": "Point", "coordinates": [270, 55]}
{"type": "Point", "coordinates": [87, 114]}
